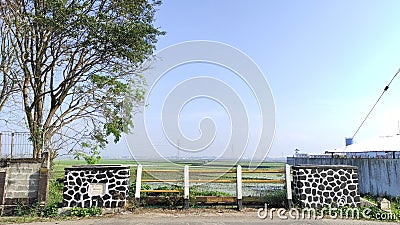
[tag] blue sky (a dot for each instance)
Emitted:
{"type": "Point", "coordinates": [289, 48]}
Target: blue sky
{"type": "Point", "coordinates": [326, 62]}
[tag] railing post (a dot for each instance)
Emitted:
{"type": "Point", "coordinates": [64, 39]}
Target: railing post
{"type": "Point", "coordinates": [138, 184]}
{"type": "Point", "coordinates": [288, 186]}
{"type": "Point", "coordinates": [239, 195]}
{"type": "Point", "coordinates": [12, 144]}
{"type": "Point", "coordinates": [186, 187]}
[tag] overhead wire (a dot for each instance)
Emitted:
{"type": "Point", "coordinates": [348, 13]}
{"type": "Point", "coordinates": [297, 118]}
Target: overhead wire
{"type": "Point", "coordinates": [373, 107]}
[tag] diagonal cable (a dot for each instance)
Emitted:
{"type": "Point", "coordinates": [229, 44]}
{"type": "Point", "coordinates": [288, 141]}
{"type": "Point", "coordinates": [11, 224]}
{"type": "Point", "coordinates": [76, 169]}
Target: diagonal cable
{"type": "Point", "coordinates": [373, 107]}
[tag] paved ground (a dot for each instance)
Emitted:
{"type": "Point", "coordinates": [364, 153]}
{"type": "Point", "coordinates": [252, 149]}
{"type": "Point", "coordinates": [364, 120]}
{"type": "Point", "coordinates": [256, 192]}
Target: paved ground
{"type": "Point", "coordinates": [201, 217]}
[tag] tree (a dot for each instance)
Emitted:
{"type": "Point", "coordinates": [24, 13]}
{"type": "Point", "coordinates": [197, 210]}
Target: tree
{"type": "Point", "coordinates": [7, 85]}
{"type": "Point", "coordinates": [77, 66]}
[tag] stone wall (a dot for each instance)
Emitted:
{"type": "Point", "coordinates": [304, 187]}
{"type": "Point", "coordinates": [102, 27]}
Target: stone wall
{"type": "Point", "coordinates": [97, 185]}
{"type": "Point", "coordinates": [376, 176]}
{"type": "Point", "coordinates": [22, 181]}
{"type": "Point", "coordinates": [317, 186]}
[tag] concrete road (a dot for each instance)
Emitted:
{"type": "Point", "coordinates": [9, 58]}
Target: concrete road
{"type": "Point", "coordinates": [201, 217]}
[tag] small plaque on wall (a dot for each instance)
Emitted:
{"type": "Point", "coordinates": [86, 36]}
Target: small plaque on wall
{"type": "Point", "coordinates": [96, 189]}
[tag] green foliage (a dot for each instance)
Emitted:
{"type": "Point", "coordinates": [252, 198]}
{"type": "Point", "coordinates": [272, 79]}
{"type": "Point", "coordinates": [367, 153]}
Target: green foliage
{"type": "Point", "coordinates": [276, 198]}
{"type": "Point", "coordinates": [373, 213]}
{"type": "Point", "coordinates": [296, 200]}
{"type": "Point", "coordinates": [370, 197]}
{"type": "Point", "coordinates": [24, 210]}
{"type": "Point", "coordinates": [195, 192]}
{"type": "Point", "coordinates": [167, 187]}
{"type": "Point", "coordinates": [93, 157]}
{"type": "Point", "coordinates": [394, 202]}
{"type": "Point", "coordinates": [50, 210]}
{"type": "Point", "coordinates": [84, 212]}
{"type": "Point", "coordinates": [169, 200]}
{"type": "Point", "coordinates": [55, 193]}
{"type": "Point", "coordinates": [132, 186]}
{"type": "Point", "coordinates": [84, 69]}
{"type": "Point", "coordinates": [35, 210]}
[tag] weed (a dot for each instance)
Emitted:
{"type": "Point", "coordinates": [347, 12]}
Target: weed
{"type": "Point", "coordinates": [83, 212]}
{"type": "Point", "coordinates": [50, 210]}
{"type": "Point", "coordinates": [194, 192]}
{"type": "Point", "coordinates": [55, 193]}
{"type": "Point", "coordinates": [276, 198]}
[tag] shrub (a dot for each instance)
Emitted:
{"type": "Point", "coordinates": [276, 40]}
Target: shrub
{"type": "Point", "coordinates": [55, 193]}
{"type": "Point", "coordinates": [131, 190]}
{"type": "Point", "coordinates": [22, 210]}
{"type": "Point", "coordinates": [50, 210]}
{"type": "Point", "coordinates": [276, 199]}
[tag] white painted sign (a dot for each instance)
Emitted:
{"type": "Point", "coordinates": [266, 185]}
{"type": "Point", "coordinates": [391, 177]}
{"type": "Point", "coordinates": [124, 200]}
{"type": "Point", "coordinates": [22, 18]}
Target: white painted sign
{"type": "Point", "coordinates": [96, 189]}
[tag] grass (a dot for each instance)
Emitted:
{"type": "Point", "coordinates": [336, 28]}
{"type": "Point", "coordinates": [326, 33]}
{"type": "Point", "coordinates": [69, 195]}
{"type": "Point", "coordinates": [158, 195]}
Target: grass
{"type": "Point", "coordinates": [394, 202]}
